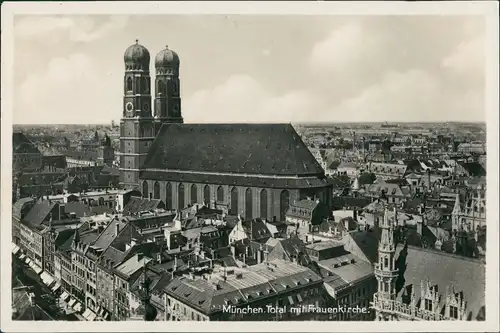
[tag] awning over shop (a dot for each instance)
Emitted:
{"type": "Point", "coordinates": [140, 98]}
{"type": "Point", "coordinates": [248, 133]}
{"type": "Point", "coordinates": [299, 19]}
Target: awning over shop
{"type": "Point", "coordinates": [71, 302]}
{"type": "Point", "coordinates": [31, 264]}
{"type": "Point", "coordinates": [77, 307]}
{"type": "Point", "coordinates": [47, 279]}
{"type": "Point", "coordinates": [56, 286]}
{"type": "Point", "coordinates": [22, 256]}
{"type": "Point", "coordinates": [37, 269]}
{"type": "Point", "coordinates": [86, 314]}
{"type": "Point", "coordinates": [106, 315]}
{"type": "Point", "coordinates": [91, 316]}
{"type": "Point", "coordinates": [28, 260]}
{"type": "Point", "coordinates": [15, 249]}
{"type": "Point", "coordinates": [64, 296]}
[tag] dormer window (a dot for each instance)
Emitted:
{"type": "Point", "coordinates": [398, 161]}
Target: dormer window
{"type": "Point", "coordinates": [428, 304]}
{"type": "Point", "coordinates": [453, 312]}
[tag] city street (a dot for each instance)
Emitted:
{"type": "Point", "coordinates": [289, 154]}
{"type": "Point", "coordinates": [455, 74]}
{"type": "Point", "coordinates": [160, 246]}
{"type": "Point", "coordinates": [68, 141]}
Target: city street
{"type": "Point", "coordinates": [43, 295]}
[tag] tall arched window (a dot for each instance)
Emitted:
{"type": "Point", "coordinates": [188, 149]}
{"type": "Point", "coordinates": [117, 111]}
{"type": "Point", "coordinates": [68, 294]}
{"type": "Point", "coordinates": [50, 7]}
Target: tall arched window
{"type": "Point", "coordinates": [248, 203]}
{"type": "Point", "coordinates": [180, 196]}
{"type": "Point", "coordinates": [263, 204]}
{"type": "Point", "coordinates": [161, 87]}
{"type": "Point", "coordinates": [168, 196]}
{"type": "Point", "coordinates": [156, 190]}
{"type": "Point", "coordinates": [234, 200]}
{"type": "Point", "coordinates": [284, 203]}
{"type": "Point", "coordinates": [194, 194]}
{"type": "Point", "coordinates": [220, 194]}
{"type": "Point", "coordinates": [145, 85]}
{"type": "Point", "coordinates": [129, 84]}
{"type": "Point", "coordinates": [206, 195]}
{"type": "Point", "coordinates": [145, 190]}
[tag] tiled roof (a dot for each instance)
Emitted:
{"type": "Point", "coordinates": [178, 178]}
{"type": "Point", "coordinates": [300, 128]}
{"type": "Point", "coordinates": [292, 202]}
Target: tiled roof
{"type": "Point", "coordinates": [255, 149]}
{"type": "Point", "coordinates": [459, 274]}
{"type": "Point", "coordinates": [256, 181]}
{"type": "Point", "coordinates": [39, 212]}
{"type": "Point", "coordinates": [19, 205]}
{"type": "Point", "coordinates": [84, 155]}
{"type": "Point", "coordinates": [345, 201]}
{"type": "Point", "coordinates": [474, 169]}
{"type": "Point", "coordinates": [348, 267]}
{"type": "Point", "coordinates": [366, 242]}
{"type": "Point", "coordinates": [241, 286]}
{"type": "Point", "coordinates": [388, 168]}
{"type": "Point", "coordinates": [257, 230]}
{"type": "Point", "coordinates": [137, 205]}
{"type": "Point", "coordinates": [21, 144]}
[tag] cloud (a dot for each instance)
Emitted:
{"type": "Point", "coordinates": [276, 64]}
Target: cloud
{"type": "Point", "coordinates": [411, 96]}
{"type": "Point", "coordinates": [242, 99]}
{"type": "Point", "coordinates": [54, 29]}
{"type": "Point", "coordinates": [343, 47]}
{"type": "Point", "coordinates": [70, 90]}
{"type": "Point", "coordinates": [408, 96]}
{"type": "Point", "coordinates": [467, 58]}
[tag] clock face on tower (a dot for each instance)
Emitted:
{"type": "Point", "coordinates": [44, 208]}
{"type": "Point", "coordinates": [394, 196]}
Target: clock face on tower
{"type": "Point", "coordinates": [129, 107]}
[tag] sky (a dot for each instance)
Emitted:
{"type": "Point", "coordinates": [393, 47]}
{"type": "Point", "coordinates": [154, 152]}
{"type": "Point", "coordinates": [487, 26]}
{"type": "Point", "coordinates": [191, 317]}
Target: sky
{"type": "Point", "coordinates": [69, 69]}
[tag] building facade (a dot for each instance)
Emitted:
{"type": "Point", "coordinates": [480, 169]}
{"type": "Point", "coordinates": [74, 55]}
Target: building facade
{"type": "Point", "coordinates": [415, 283]}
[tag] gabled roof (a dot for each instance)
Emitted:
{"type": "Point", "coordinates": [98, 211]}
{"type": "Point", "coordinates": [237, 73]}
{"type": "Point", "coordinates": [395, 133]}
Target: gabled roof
{"type": "Point", "coordinates": [232, 148]}
{"type": "Point", "coordinates": [137, 205]}
{"type": "Point", "coordinates": [257, 230]}
{"type": "Point", "coordinates": [459, 274]}
{"type": "Point", "coordinates": [364, 244]}
{"type": "Point", "coordinates": [19, 205]}
{"type": "Point", "coordinates": [39, 212]}
{"type": "Point", "coordinates": [474, 169]}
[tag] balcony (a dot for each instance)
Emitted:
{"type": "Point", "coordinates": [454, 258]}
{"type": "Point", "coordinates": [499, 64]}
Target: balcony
{"type": "Point", "coordinates": [384, 273]}
{"type": "Point", "coordinates": [404, 311]}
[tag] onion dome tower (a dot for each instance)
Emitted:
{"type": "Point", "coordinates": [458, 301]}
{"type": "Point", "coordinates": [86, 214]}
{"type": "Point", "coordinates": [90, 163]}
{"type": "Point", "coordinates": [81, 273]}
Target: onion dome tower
{"type": "Point", "coordinates": [136, 125]}
{"type": "Point", "coordinates": [167, 92]}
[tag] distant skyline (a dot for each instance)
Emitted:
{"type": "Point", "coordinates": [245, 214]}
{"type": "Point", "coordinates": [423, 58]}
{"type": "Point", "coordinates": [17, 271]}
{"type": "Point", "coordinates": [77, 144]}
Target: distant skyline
{"type": "Point", "coordinates": [299, 69]}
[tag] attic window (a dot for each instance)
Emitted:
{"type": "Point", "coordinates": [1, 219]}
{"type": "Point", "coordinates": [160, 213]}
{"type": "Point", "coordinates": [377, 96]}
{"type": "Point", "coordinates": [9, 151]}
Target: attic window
{"type": "Point", "coordinates": [174, 288]}
{"type": "Point", "coordinates": [200, 302]}
{"type": "Point", "coordinates": [187, 294]}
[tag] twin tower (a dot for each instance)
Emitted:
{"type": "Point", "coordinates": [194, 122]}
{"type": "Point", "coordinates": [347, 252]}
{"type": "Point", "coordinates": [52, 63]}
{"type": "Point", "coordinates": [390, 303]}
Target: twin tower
{"type": "Point", "coordinates": [141, 120]}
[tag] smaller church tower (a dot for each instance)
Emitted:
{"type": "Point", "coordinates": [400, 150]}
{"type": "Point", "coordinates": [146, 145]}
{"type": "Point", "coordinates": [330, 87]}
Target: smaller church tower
{"type": "Point", "coordinates": [386, 272]}
{"type": "Point", "coordinates": [167, 107]}
{"type": "Point", "coordinates": [106, 152]}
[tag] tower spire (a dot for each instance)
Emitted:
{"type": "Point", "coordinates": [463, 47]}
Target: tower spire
{"type": "Point", "coordinates": [385, 269]}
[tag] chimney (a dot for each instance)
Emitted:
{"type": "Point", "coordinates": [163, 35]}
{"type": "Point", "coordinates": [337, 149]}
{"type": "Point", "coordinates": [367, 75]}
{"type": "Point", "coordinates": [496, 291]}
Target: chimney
{"type": "Point", "coordinates": [175, 263]}
{"type": "Point", "coordinates": [233, 250]}
{"type": "Point", "coordinates": [419, 226]}
{"type": "Point", "coordinates": [259, 256]}
{"type": "Point", "coordinates": [32, 298]}
{"type": "Point", "coordinates": [117, 228]}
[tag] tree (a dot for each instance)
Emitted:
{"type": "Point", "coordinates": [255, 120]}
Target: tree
{"type": "Point", "coordinates": [367, 178]}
